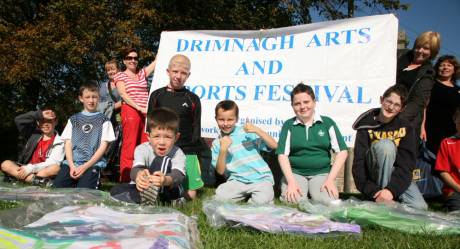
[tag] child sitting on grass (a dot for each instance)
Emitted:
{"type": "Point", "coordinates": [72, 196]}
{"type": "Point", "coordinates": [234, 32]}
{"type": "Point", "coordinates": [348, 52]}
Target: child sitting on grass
{"type": "Point", "coordinates": [86, 137]}
{"type": "Point", "coordinates": [236, 153]}
{"type": "Point", "coordinates": [159, 165]}
{"type": "Point", "coordinates": [44, 151]}
{"type": "Point", "coordinates": [448, 164]}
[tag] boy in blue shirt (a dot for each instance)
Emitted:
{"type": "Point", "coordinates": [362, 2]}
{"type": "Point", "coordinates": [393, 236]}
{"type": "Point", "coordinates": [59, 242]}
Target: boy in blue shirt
{"type": "Point", "coordinates": [236, 153]}
{"type": "Point", "coordinates": [86, 137]}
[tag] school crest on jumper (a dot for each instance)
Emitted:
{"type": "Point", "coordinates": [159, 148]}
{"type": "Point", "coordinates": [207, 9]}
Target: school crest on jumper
{"type": "Point", "coordinates": [86, 128]}
{"type": "Point", "coordinates": [321, 133]}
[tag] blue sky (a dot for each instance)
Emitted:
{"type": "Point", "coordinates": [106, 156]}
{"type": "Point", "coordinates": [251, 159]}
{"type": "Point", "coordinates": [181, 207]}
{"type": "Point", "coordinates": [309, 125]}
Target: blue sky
{"type": "Point", "coordinates": [442, 16]}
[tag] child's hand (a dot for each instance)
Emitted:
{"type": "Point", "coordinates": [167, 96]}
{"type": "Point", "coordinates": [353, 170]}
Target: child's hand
{"type": "Point", "coordinates": [249, 127]}
{"type": "Point", "coordinates": [158, 178]}
{"type": "Point", "coordinates": [225, 142]}
{"type": "Point", "coordinates": [384, 195]}
{"type": "Point", "coordinates": [72, 172]}
{"type": "Point", "coordinates": [48, 114]}
{"type": "Point", "coordinates": [331, 189]}
{"type": "Point", "coordinates": [23, 173]}
{"type": "Point", "coordinates": [78, 172]}
{"type": "Point", "coordinates": [142, 180]}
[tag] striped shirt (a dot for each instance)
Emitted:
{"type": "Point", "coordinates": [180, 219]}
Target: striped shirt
{"type": "Point", "coordinates": [243, 162]}
{"type": "Point", "coordinates": [137, 89]}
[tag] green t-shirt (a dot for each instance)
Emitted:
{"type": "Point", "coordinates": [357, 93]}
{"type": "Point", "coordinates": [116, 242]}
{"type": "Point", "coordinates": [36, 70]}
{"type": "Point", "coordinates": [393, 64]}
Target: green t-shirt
{"type": "Point", "coordinates": [309, 147]}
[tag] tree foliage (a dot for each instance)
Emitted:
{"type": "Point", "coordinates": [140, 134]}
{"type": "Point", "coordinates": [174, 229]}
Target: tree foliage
{"type": "Point", "coordinates": [50, 46]}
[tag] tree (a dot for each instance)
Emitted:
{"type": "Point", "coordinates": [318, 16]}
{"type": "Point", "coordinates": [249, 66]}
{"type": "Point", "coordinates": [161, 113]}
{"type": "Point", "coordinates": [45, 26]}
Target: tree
{"type": "Point", "coordinates": [50, 47]}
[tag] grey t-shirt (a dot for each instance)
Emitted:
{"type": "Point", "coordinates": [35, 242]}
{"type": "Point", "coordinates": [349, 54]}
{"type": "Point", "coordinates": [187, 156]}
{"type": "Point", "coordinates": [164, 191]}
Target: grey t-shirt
{"type": "Point", "coordinates": [144, 155]}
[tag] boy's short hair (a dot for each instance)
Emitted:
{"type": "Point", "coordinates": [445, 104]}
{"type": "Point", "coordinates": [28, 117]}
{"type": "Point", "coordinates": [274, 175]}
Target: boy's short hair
{"type": "Point", "coordinates": [227, 105]}
{"type": "Point", "coordinates": [111, 62]}
{"type": "Point", "coordinates": [399, 90]}
{"type": "Point", "coordinates": [302, 88]}
{"type": "Point", "coordinates": [180, 59]}
{"type": "Point", "coordinates": [164, 119]}
{"type": "Point", "coordinates": [91, 86]}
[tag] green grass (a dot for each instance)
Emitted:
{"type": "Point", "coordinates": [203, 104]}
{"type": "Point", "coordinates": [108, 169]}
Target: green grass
{"type": "Point", "coordinates": [372, 237]}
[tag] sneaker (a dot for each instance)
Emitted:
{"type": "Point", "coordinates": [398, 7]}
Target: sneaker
{"type": "Point", "coordinates": [39, 181]}
{"type": "Point", "coordinates": [178, 203]}
{"type": "Point", "coordinates": [149, 196]}
{"type": "Point", "coordinates": [7, 179]}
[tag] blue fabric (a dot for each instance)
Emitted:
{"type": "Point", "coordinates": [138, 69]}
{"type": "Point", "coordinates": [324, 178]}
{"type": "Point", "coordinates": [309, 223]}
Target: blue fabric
{"type": "Point", "coordinates": [382, 156]}
{"type": "Point", "coordinates": [86, 134]}
{"type": "Point", "coordinates": [244, 162]}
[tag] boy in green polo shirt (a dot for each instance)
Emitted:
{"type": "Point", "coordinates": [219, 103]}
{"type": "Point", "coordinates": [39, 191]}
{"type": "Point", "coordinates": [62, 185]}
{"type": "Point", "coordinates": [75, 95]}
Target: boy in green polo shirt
{"type": "Point", "coordinates": [304, 151]}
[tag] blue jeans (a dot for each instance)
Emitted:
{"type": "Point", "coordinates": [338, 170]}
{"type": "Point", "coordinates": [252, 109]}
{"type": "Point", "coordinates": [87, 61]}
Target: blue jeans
{"type": "Point", "coordinates": [380, 160]}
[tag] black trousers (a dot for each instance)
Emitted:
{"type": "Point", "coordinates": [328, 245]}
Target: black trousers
{"type": "Point", "coordinates": [89, 179]}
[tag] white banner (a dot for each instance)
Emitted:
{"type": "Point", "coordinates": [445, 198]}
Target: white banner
{"type": "Point", "coordinates": [349, 63]}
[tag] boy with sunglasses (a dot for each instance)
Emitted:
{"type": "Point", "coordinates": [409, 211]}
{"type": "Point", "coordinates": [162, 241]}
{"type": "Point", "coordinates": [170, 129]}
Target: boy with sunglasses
{"type": "Point", "coordinates": [385, 153]}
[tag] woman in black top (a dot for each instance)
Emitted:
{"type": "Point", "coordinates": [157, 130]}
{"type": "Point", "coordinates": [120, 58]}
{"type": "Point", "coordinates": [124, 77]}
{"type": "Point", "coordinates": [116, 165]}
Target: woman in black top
{"type": "Point", "coordinates": [416, 73]}
{"type": "Point", "coordinates": [445, 97]}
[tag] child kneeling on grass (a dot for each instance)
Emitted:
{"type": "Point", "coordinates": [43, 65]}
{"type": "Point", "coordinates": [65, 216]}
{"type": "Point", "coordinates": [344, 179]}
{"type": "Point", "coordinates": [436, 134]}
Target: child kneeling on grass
{"type": "Point", "coordinates": [86, 137]}
{"type": "Point", "coordinates": [448, 164]}
{"type": "Point", "coordinates": [236, 153]}
{"type": "Point", "coordinates": [159, 165]}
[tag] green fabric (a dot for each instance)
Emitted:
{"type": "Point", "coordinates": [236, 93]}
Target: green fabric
{"type": "Point", "coordinates": [310, 146]}
{"type": "Point", "coordinates": [193, 179]}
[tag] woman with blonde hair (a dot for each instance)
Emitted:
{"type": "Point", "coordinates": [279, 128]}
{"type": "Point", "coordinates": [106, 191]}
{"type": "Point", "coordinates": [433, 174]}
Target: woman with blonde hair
{"type": "Point", "coordinates": [415, 72]}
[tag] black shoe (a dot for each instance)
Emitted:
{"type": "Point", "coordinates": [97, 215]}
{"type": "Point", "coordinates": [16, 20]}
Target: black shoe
{"type": "Point", "coordinates": [7, 179]}
{"type": "Point", "coordinates": [39, 181]}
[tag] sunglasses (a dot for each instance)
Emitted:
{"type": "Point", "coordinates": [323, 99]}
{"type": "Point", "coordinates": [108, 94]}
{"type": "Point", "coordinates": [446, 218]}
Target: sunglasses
{"type": "Point", "coordinates": [129, 58]}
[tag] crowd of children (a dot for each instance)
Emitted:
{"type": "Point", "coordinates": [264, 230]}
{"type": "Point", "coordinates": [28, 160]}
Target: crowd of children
{"type": "Point", "coordinates": [166, 168]}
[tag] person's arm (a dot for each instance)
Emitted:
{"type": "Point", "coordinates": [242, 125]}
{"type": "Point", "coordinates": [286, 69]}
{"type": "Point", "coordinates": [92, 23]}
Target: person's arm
{"type": "Point", "coordinates": [422, 128]}
{"type": "Point", "coordinates": [225, 143]}
{"type": "Point", "coordinates": [293, 192]}
{"type": "Point", "coordinates": [418, 98]}
{"type": "Point", "coordinates": [121, 87]}
{"type": "Point", "coordinates": [196, 135]}
{"type": "Point", "coordinates": [27, 122]}
{"type": "Point", "coordinates": [329, 183]}
{"type": "Point", "coordinates": [268, 140]}
{"type": "Point", "coordinates": [361, 174]}
{"type": "Point", "coordinates": [150, 68]}
{"type": "Point", "coordinates": [69, 157]}
{"type": "Point", "coordinates": [449, 181]}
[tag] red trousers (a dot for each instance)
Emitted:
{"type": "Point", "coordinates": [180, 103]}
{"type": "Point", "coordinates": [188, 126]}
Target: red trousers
{"type": "Point", "coordinates": [133, 125]}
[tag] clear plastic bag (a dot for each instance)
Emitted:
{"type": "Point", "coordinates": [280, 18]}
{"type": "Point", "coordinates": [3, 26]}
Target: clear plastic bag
{"type": "Point", "coordinates": [396, 216]}
{"type": "Point", "coordinates": [83, 218]}
{"type": "Point", "coordinates": [273, 219]}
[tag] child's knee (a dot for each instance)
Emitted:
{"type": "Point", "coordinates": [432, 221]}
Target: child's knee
{"type": "Point", "coordinates": [191, 194]}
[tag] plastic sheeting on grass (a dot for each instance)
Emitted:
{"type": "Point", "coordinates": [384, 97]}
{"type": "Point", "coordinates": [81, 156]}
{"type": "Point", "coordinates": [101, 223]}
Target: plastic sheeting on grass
{"type": "Point", "coordinates": [396, 216]}
{"type": "Point", "coordinates": [82, 218]}
{"type": "Point", "coordinates": [273, 219]}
